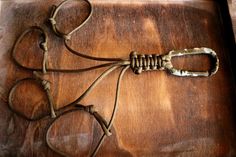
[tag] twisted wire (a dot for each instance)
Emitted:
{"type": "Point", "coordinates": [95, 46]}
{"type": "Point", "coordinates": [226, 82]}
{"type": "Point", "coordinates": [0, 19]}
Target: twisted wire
{"type": "Point", "coordinates": [145, 62]}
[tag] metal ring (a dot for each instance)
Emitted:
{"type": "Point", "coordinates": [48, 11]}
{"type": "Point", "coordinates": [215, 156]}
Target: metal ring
{"type": "Point", "coordinates": [53, 22]}
{"type": "Point", "coordinates": [10, 103]}
{"type": "Point", "coordinates": [43, 46]}
{"type": "Point", "coordinates": [196, 51]}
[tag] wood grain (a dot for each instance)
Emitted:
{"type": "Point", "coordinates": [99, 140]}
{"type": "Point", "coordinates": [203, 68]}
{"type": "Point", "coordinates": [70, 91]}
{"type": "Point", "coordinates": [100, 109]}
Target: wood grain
{"type": "Point", "coordinates": [232, 11]}
{"type": "Point", "coordinates": [158, 115]}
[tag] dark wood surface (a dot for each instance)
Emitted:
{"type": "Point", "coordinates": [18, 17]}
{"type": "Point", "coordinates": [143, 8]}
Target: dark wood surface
{"type": "Point", "coordinates": [232, 10]}
{"type": "Point", "coordinates": [158, 115]}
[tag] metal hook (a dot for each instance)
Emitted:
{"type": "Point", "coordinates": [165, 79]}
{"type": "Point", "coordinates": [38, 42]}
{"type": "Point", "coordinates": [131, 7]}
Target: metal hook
{"type": "Point", "coordinates": [196, 51]}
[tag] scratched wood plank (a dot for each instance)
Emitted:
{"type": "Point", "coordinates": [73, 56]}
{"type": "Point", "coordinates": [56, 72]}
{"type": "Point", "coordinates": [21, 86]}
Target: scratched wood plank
{"type": "Point", "coordinates": [158, 115]}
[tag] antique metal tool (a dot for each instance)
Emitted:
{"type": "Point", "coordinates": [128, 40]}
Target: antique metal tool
{"type": "Point", "coordinates": [137, 62]}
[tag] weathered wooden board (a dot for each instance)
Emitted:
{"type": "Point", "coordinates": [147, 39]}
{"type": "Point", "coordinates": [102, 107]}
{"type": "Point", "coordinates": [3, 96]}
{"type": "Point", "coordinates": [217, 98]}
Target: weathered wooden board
{"type": "Point", "coordinates": [158, 115]}
{"type": "Point", "coordinates": [232, 10]}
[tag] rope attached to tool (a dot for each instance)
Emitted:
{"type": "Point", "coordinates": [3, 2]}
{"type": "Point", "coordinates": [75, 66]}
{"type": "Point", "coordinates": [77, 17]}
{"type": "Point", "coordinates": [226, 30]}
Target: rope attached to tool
{"type": "Point", "coordinates": [138, 63]}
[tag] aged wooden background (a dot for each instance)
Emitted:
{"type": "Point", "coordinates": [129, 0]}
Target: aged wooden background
{"type": "Point", "coordinates": [165, 116]}
{"type": "Point", "coordinates": [232, 9]}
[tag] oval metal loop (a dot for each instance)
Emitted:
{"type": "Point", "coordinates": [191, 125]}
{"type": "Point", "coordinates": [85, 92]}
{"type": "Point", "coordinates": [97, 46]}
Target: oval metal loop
{"type": "Point", "coordinates": [196, 51]}
{"type": "Point", "coordinates": [44, 84]}
{"type": "Point", "coordinates": [53, 22]}
{"type": "Point", "coordinates": [42, 45]}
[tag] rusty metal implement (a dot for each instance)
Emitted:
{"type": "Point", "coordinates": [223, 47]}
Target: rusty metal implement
{"type": "Point", "coordinates": [137, 62]}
